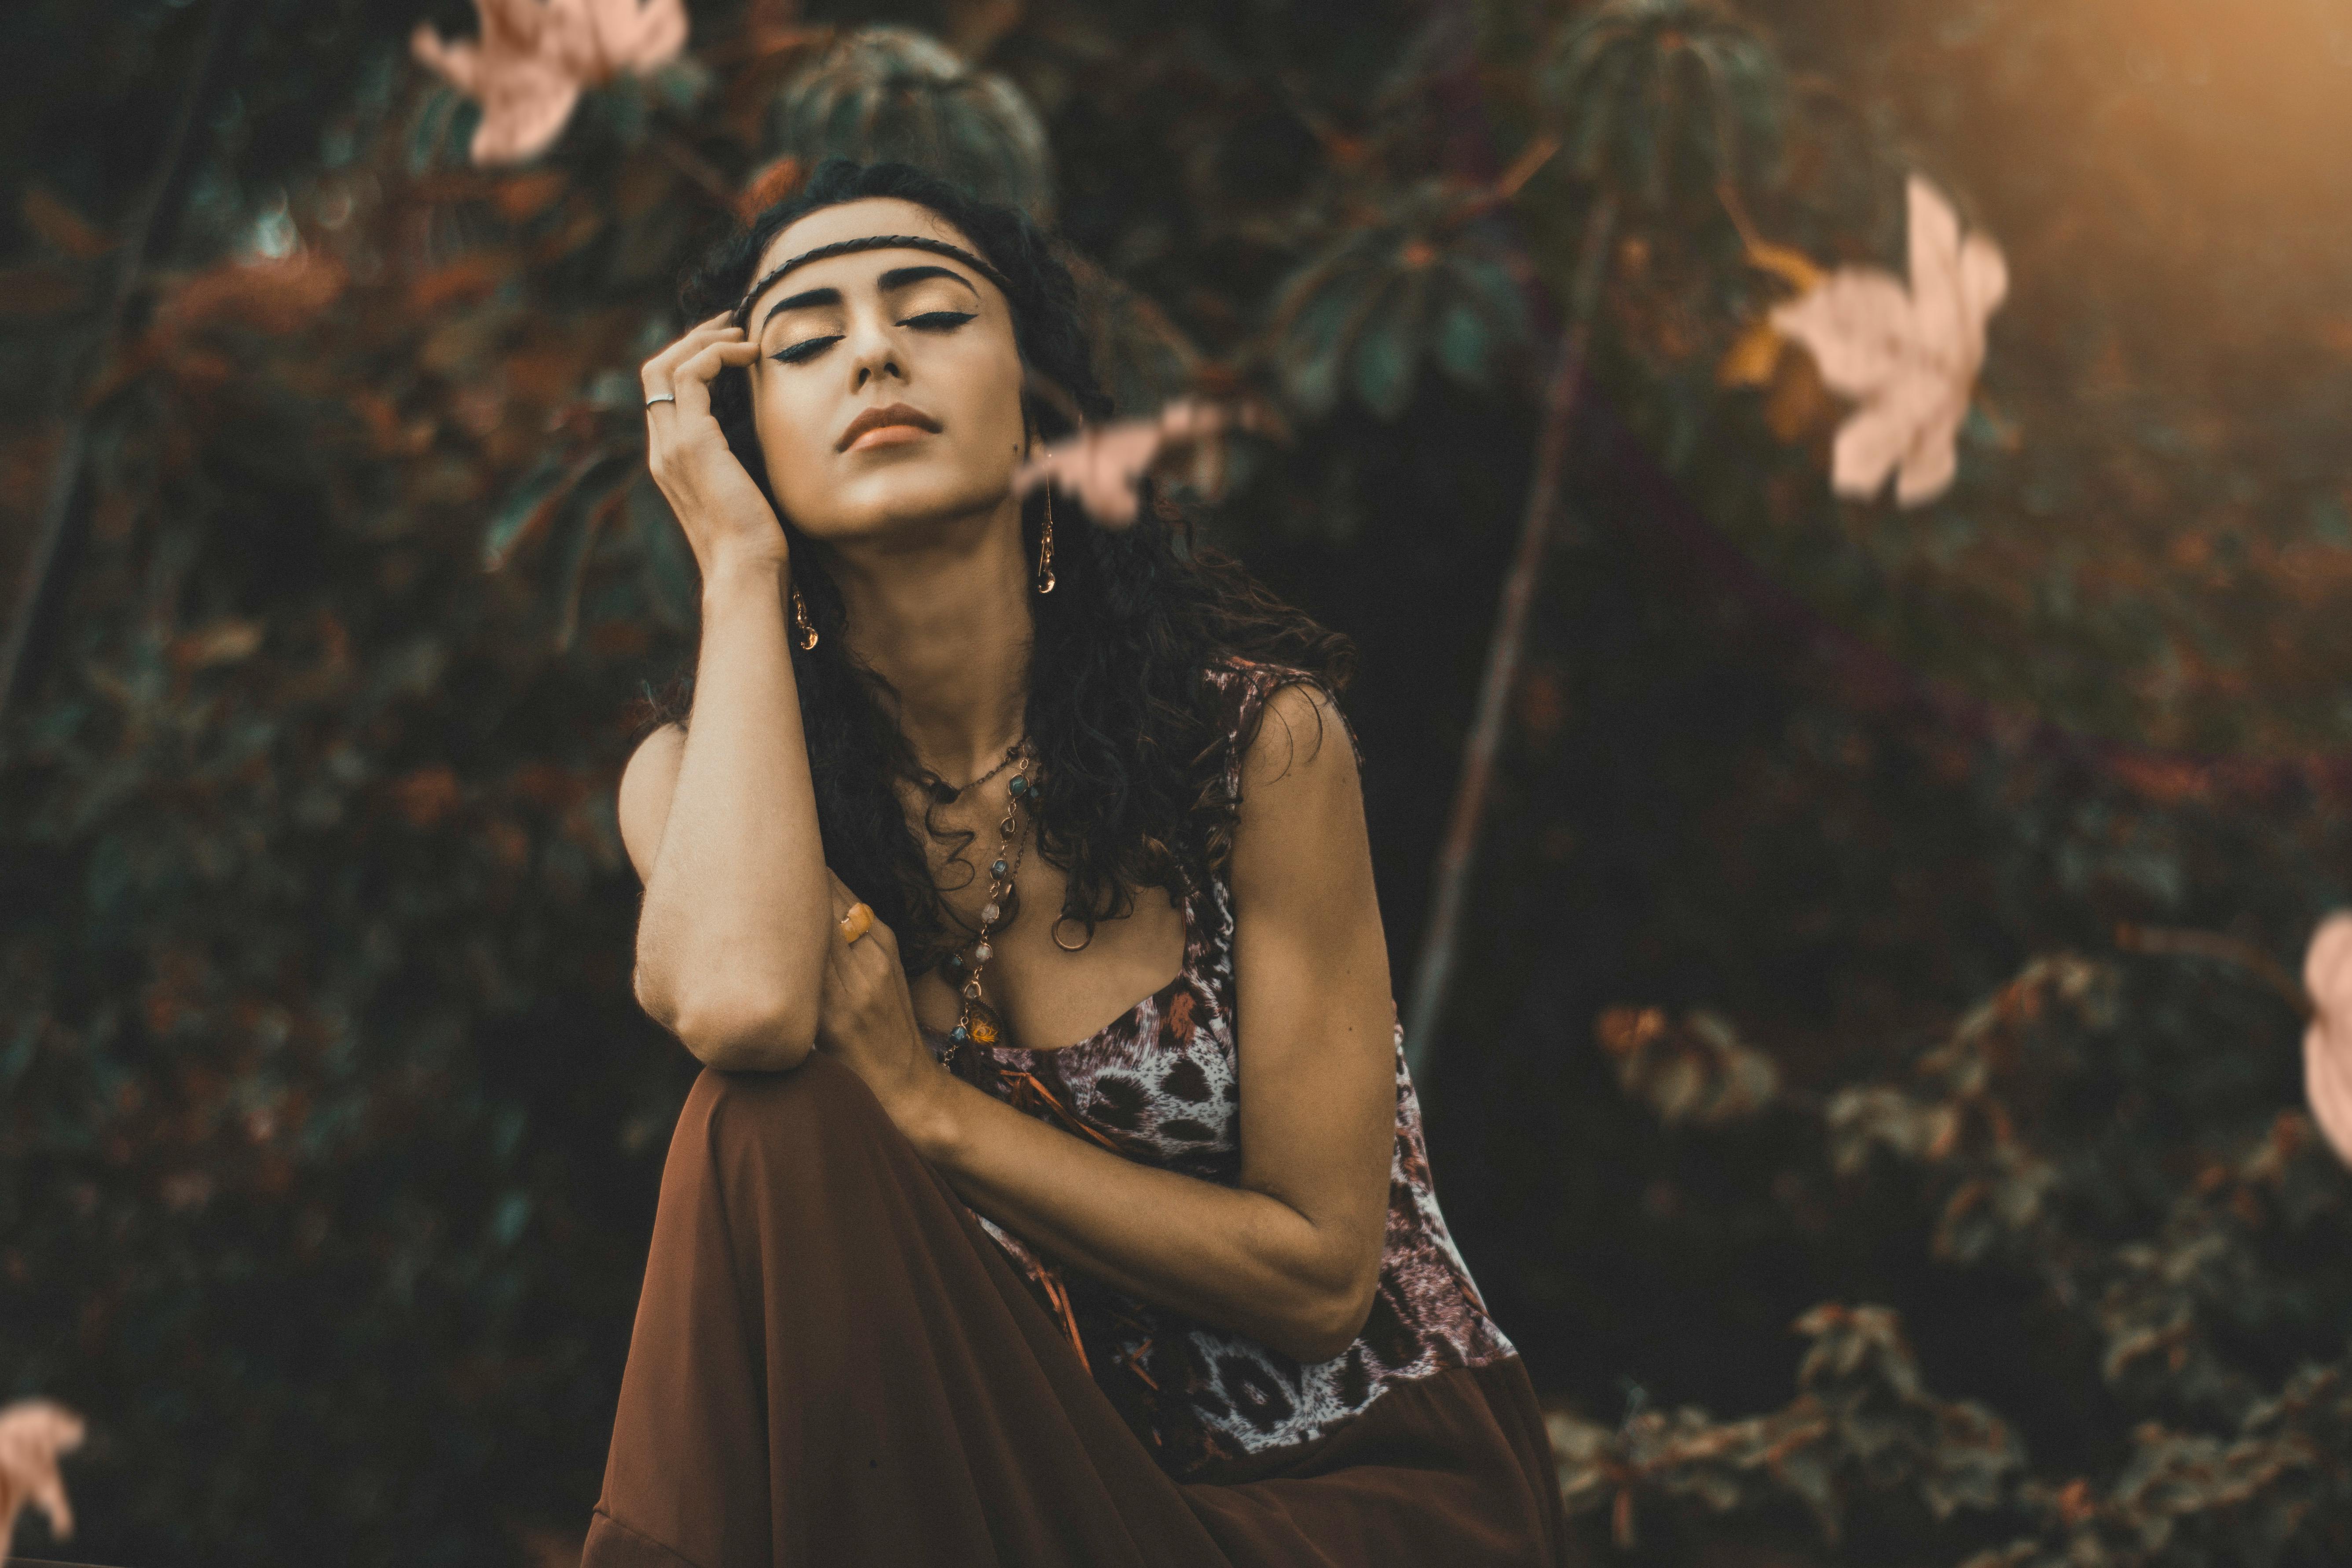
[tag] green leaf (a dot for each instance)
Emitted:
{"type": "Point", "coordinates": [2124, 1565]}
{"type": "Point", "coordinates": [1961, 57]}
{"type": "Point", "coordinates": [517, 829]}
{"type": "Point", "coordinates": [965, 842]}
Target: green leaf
{"type": "Point", "coordinates": [1462, 342]}
{"type": "Point", "coordinates": [1383, 366]}
{"type": "Point", "coordinates": [535, 503]}
{"type": "Point", "coordinates": [441, 136]}
{"type": "Point", "coordinates": [892, 93]}
{"type": "Point", "coordinates": [572, 557]}
{"type": "Point", "coordinates": [1313, 373]}
{"type": "Point", "coordinates": [508, 1220]}
{"type": "Point", "coordinates": [526, 511]}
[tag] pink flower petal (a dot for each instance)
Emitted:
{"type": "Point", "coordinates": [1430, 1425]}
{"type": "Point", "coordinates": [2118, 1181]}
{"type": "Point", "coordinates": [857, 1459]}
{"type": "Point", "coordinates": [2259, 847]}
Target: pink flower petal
{"type": "Point", "coordinates": [1984, 279]}
{"type": "Point", "coordinates": [2327, 1084]}
{"type": "Point", "coordinates": [2328, 1042]}
{"type": "Point", "coordinates": [633, 36]}
{"type": "Point", "coordinates": [1857, 327]}
{"type": "Point", "coordinates": [1910, 355]}
{"type": "Point", "coordinates": [525, 106]}
{"type": "Point", "coordinates": [1928, 469]}
{"type": "Point", "coordinates": [535, 56]}
{"type": "Point", "coordinates": [33, 1433]}
{"type": "Point", "coordinates": [2328, 966]}
{"type": "Point", "coordinates": [1103, 465]}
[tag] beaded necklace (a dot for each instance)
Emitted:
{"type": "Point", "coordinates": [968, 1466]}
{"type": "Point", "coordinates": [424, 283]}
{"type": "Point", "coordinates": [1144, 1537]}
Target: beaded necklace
{"type": "Point", "coordinates": [975, 1021]}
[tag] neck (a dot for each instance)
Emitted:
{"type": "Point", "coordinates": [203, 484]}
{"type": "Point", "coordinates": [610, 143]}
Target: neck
{"type": "Point", "coordinates": [945, 620]}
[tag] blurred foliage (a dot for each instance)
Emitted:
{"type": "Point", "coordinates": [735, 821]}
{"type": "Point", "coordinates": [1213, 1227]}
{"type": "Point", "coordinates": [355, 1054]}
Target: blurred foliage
{"type": "Point", "coordinates": [329, 1128]}
{"type": "Point", "coordinates": [1863, 1430]}
{"type": "Point", "coordinates": [1693, 1070]}
{"type": "Point", "coordinates": [890, 93]}
{"type": "Point", "coordinates": [2202, 1267]}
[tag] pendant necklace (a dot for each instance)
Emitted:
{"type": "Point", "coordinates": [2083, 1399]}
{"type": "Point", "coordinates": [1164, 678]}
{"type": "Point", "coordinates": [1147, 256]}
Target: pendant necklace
{"type": "Point", "coordinates": [975, 1021]}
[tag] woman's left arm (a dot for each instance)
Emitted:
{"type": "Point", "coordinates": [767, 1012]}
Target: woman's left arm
{"type": "Point", "coordinates": [1290, 1257]}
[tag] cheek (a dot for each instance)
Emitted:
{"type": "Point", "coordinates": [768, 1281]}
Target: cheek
{"type": "Point", "coordinates": [791, 420]}
{"type": "Point", "coordinates": [985, 393]}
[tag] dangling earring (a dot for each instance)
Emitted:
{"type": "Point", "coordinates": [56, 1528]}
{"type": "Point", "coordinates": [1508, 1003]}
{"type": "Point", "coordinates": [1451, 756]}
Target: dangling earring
{"type": "Point", "coordinates": [807, 638]}
{"type": "Point", "coordinates": [1045, 547]}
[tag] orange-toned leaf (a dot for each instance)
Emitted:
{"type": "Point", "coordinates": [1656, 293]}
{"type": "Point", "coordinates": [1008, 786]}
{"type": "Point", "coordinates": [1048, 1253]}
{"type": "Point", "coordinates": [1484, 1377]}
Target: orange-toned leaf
{"type": "Point", "coordinates": [271, 296]}
{"type": "Point", "coordinates": [769, 185]}
{"type": "Point", "coordinates": [224, 641]}
{"type": "Point", "coordinates": [468, 277]}
{"type": "Point", "coordinates": [527, 195]}
{"type": "Point", "coordinates": [1793, 266]}
{"type": "Point", "coordinates": [60, 226]}
{"type": "Point", "coordinates": [1751, 358]}
{"type": "Point", "coordinates": [426, 795]}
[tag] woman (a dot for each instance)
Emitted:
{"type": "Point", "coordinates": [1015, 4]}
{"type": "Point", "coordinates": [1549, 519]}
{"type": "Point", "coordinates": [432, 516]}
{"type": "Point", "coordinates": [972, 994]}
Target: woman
{"type": "Point", "coordinates": [927, 1285]}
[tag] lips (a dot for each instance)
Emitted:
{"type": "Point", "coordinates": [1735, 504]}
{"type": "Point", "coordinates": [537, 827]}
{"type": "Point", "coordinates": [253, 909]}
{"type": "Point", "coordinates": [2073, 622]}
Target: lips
{"type": "Point", "coordinates": [876, 418]}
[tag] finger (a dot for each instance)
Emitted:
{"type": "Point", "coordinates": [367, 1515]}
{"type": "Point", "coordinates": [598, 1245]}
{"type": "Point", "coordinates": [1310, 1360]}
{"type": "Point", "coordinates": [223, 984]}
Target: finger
{"type": "Point", "coordinates": [667, 370]}
{"type": "Point", "coordinates": [657, 373]}
{"type": "Point", "coordinates": [692, 379]}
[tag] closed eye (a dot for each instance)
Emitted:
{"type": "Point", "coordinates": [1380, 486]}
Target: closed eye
{"type": "Point", "coordinates": [809, 349]}
{"type": "Point", "coordinates": [930, 322]}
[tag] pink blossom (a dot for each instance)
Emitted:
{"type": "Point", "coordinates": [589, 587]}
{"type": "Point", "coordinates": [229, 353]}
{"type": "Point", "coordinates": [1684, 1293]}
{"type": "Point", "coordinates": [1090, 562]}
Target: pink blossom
{"type": "Point", "coordinates": [1104, 466]}
{"type": "Point", "coordinates": [1908, 356]}
{"type": "Point", "coordinates": [534, 57]}
{"type": "Point", "coordinates": [33, 1433]}
{"type": "Point", "coordinates": [2328, 1042]}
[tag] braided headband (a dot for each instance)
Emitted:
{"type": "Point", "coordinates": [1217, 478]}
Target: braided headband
{"type": "Point", "coordinates": [871, 242]}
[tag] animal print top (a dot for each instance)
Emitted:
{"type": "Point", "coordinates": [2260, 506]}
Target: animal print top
{"type": "Point", "coordinates": [1160, 1084]}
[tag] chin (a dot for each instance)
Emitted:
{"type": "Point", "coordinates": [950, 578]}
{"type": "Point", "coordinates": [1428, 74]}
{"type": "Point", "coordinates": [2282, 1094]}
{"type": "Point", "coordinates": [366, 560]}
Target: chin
{"type": "Point", "coordinates": [880, 503]}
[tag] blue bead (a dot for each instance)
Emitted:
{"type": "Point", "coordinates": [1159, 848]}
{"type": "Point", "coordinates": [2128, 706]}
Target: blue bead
{"type": "Point", "coordinates": [999, 869]}
{"type": "Point", "coordinates": [1019, 785]}
{"type": "Point", "coordinates": [959, 1035]}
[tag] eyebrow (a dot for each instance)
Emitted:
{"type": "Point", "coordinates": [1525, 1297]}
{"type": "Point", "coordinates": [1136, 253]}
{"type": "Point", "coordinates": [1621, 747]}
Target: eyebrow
{"type": "Point", "coordinates": [889, 282]}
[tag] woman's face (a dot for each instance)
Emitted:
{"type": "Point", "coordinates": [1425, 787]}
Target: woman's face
{"type": "Point", "coordinates": [917, 338]}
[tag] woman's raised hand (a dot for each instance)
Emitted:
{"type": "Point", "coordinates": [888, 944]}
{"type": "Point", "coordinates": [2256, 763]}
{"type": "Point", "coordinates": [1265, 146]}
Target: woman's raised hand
{"type": "Point", "coordinates": [724, 513]}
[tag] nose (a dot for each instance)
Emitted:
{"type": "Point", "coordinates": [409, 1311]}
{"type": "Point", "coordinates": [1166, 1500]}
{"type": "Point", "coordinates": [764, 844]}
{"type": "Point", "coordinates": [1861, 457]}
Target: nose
{"type": "Point", "coordinates": [873, 351]}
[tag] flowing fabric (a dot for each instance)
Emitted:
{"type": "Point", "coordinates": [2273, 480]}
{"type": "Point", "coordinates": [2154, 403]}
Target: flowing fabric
{"type": "Point", "coordinates": [834, 1365]}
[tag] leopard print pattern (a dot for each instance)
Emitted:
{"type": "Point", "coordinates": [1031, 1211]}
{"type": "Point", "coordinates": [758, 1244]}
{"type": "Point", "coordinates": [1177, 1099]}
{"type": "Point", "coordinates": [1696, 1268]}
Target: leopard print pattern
{"type": "Point", "coordinates": [1162, 1083]}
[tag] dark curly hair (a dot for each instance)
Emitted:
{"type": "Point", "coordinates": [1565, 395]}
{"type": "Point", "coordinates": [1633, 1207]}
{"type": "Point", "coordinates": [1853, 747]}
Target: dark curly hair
{"type": "Point", "coordinates": [1127, 730]}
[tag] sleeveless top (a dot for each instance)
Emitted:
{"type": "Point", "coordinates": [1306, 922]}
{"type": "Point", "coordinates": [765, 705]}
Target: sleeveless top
{"type": "Point", "coordinates": [1160, 1084]}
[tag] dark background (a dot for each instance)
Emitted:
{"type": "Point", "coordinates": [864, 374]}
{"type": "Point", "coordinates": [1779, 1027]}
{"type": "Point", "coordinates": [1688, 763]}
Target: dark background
{"type": "Point", "coordinates": [329, 1130]}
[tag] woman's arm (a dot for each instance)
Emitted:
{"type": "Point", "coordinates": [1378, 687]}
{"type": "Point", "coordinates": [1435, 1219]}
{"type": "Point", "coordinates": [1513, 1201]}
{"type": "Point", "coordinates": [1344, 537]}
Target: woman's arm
{"type": "Point", "coordinates": [721, 821]}
{"type": "Point", "coordinates": [1292, 1255]}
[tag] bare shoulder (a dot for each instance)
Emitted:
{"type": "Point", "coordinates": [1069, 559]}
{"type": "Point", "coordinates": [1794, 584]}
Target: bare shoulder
{"type": "Point", "coordinates": [1302, 812]}
{"type": "Point", "coordinates": [1303, 746]}
{"type": "Point", "coordinates": [647, 785]}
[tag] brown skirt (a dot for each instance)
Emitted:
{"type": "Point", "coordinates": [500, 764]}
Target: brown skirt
{"type": "Point", "coordinates": [833, 1364]}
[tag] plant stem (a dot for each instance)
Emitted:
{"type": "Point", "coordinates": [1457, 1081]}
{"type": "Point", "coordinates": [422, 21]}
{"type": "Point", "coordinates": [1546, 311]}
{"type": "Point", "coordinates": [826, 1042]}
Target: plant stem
{"type": "Point", "coordinates": [1433, 971]}
{"type": "Point", "coordinates": [65, 479]}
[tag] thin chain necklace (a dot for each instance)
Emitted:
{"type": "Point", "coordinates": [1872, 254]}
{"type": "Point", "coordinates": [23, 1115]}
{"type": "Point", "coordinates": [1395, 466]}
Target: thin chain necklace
{"type": "Point", "coordinates": [975, 1021]}
{"type": "Point", "coordinates": [947, 793]}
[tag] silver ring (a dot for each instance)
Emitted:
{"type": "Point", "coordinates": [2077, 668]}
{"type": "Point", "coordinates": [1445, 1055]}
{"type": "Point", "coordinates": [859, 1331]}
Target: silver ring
{"type": "Point", "coordinates": [661, 397]}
